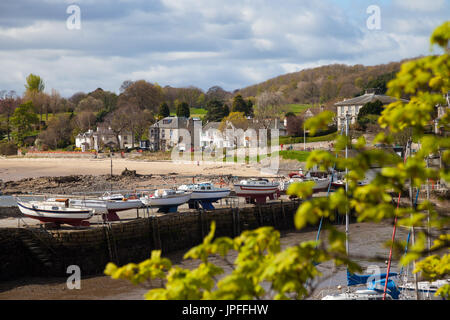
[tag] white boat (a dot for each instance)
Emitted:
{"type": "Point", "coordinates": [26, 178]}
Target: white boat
{"type": "Point", "coordinates": [320, 184]}
{"type": "Point", "coordinates": [167, 200]}
{"type": "Point", "coordinates": [426, 289]}
{"type": "Point", "coordinates": [204, 193]}
{"type": "Point", "coordinates": [105, 204]}
{"type": "Point", "coordinates": [58, 212]}
{"type": "Point", "coordinates": [251, 187]}
{"type": "Point", "coordinates": [109, 196]}
{"type": "Point", "coordinates": [257, 190]}
{"type": "Point", "coordinates": [363, 294]}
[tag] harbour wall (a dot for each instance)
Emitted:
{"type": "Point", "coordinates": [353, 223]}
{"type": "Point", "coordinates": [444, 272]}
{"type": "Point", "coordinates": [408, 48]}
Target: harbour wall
{"type": "Point", "coordinates": [41, 252]}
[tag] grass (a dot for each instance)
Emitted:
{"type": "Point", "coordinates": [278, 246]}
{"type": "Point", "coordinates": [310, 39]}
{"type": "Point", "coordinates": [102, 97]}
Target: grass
{"type": "Point", "coordinates": [195, 113]}
{"type": "Point", "coordinates": [297, 108]}
{"type": "Point", "coordinates": [199, 111]}
{"type": "Point", "coordinates": [300, 156]}
{"type": "Point", "coordinates": [291, 140]}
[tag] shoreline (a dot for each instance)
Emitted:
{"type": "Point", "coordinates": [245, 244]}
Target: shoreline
{"type": "Point", "coordinates": [15, 169]}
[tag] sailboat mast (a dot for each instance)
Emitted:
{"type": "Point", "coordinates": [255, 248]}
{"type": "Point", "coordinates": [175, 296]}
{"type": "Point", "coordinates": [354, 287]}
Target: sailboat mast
{"type": "Point", "coordinates": [428, 211]}
{"type": "Point", "coordinates": [346, 185]}
{"type": "Point", "coordinates": [412, 227]}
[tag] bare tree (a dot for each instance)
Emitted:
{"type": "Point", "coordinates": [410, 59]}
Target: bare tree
{"type": "Point", "coordinates": [269, 105]}
{"type": "Point", "coordinates": [54, 102]}
{"type": "Point", "coordinates": [85, 120]}
{"type": "Point", "coordinates": [119, 121]}
{"type": "Point", "coordinates": [58, 133]}
{"type": "Point", "coordinates": [125, 85]}
{"type": "Point", "coordinates": [9, 101]}
{"type": "Point", "coordinates": [295, 125]}
{"type": "Point", "coordinates": [90, 104]}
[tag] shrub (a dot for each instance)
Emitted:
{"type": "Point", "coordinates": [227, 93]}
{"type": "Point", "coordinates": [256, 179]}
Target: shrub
{"type": "Point", "coordinates": [8, 148]}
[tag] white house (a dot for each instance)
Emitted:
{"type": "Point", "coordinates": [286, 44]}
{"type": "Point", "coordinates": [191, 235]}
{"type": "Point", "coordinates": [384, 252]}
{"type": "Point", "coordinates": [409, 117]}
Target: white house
{"type": "Point", "coordinates": [352, 106]}
{"type": "Point", "coordinates": [440, 112]}
{"type": "Point", "coordinates": [166, 133]}
{"type": "Point", "coordinates": [231, 137]}
{"type": "Point", "coordinates": [103, 136]}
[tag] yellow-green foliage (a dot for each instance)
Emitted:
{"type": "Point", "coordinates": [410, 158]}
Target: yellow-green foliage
{"type": "Point", "coordinates": [258, 255]}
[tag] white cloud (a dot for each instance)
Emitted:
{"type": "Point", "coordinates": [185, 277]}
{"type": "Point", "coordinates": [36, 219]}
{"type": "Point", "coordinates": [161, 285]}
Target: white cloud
{"type": "Point", "coordinates": [421, 5]}
{"type": "Point", "coordinates": [203, 43]}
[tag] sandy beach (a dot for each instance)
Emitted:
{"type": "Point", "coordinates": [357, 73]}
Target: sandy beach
{"type": "Point", "coordinates": [13, 169]}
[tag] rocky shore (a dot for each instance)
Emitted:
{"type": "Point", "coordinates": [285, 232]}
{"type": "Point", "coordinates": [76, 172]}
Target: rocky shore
{"type": "Point", "coordinates": [127, 180]}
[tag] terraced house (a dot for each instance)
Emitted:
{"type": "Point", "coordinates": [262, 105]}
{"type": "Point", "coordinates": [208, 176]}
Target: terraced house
{"type": "Point", "coordinates": [167, 133]}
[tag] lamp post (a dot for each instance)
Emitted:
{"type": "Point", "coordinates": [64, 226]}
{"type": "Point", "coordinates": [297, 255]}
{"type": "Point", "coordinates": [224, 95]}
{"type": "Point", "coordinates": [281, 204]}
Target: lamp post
{"type": "Point", "coordinates": [304, 137]}
{"type": "Point", "coordinates": [347, 117]}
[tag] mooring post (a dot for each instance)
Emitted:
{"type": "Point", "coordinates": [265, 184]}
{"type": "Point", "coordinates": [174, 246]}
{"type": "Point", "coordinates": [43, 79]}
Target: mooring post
{"type": "Point", "coordinates": [156, 235]}
{"type": "Point", "coordinates": [238, 221]}
{"type": "Point", "coordinates": [283, 214]}
{"type": "Point", "coordinates": [260, 215]}
{"type": "Point", "coordinates": [202, 230]}
{"type": "Point", "coordinates": [233, 218]}
{"type": "Point", "coordinates": [274, 221]}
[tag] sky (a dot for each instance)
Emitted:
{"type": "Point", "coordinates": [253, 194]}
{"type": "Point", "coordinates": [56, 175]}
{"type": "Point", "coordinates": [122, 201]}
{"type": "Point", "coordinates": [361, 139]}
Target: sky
{"type": "Point", "coordinates": [203, 43]}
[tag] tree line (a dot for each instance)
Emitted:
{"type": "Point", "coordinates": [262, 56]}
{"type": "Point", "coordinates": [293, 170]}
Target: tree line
{"type": "Point", "coordinates": [48, 120]}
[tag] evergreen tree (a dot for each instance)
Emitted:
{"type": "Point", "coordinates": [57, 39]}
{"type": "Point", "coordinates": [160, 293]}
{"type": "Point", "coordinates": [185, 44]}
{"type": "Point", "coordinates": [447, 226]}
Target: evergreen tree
{"type": "Point", "coordinates": [240, 105]}
{"type": "Point", "coordinates": [23, 119]}
{"type": "Point", "coordinates": [183, 110]}
{"type": "Point", "coordinates": [216, 111]}
{"type": "Point", "coordinates": [164, 110]}
{"type": "Point", "coordinates": [370, 108]}
{"type": "Point", "coordinates": [375, 107]}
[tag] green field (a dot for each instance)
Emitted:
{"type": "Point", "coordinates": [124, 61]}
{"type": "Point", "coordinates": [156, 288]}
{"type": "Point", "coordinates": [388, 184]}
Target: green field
{"type": "Point", "coordinates": [291, 140]}
{"type": "Point", "coordinates": [297, 108]}
{"type": "Point", "coordinates": [195, 112]}
{"type": "Point", "coordinates": [300, 156]}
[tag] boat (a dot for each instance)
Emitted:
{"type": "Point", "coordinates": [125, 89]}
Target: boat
{"type": "Point", "coordinates": [257, 189]}
{"type": "Point", "coordinates": [107, 205]}
{"type": "Point", "coordinates": [166, 200]}
{"type": "Point", "coordinates": [340, 182]}
{"type": "Point", "coordinates": [58, 212]}
{"type": "Point", "coordinates": [426, 289]}
{"type": "Point", "coordinates": [320, 184]}
{"type": "Point", "coordinates": [204, 193]}
{"type": "Point", "coordinates": [362, 294]}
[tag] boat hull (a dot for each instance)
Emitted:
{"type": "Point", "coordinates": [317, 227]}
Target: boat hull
{"type": "Point", "coordinates": [249, 190]}
{"type": "Point", "coordinates": [72, 216]}
{"type": "Point", "coordinates": [103, 206]}
{"type": "Point", "coordinates": [165, 201]}
{"type": "Point", "coordinates": [211, 196]}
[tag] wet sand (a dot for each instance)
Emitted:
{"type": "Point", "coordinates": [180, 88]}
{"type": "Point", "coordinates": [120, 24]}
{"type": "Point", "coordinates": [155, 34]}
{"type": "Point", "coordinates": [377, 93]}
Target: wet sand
{"type": "Point", "coordinates": [366, 240]}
